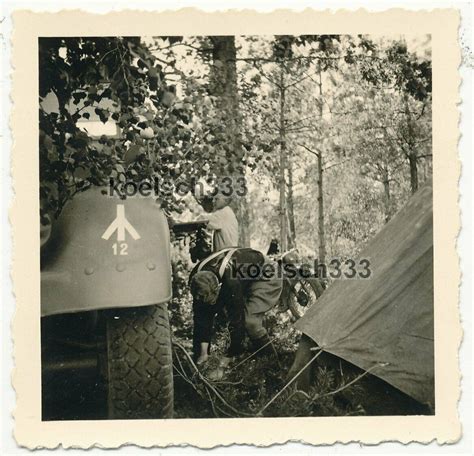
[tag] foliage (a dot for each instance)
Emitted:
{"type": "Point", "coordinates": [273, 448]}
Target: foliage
{"type": "Point", "coordinates": [110, 78]}
{"type": "Point", "coordinates": [186, 108]}
{"type": "Point", "coordinates": [372, 117]}
{"type": "Point", "coordinates": [171, 125]}
{"type": "Point", "coordinates": [121, 80]}
{"type": "Point", "coordinates": [247, 389]}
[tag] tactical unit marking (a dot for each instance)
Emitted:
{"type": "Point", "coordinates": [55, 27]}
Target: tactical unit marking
{"type": "Point", "coordinates": [121, 224]}
{"type": "Point", "coordinates": [120, 249]}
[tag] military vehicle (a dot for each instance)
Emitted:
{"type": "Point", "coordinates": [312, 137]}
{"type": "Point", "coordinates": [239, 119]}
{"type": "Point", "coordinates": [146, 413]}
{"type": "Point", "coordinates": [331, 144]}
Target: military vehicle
{"type": "Point", "coordinates": [105, 285]}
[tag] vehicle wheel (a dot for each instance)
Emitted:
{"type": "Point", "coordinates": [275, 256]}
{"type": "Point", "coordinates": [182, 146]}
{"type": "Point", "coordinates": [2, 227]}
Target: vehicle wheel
{"type": "Point", "coordinates": [302, 295]}
{"type": "Point", "coordinates": [139, 363]}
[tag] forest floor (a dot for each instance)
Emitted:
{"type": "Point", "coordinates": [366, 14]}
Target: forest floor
{"type": "Point", "coordinates": [252, 385]}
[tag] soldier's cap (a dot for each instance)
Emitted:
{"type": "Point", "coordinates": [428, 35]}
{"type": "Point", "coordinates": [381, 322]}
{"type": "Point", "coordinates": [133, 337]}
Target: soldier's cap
{"type": "Point", "coordinates": [205, 287]}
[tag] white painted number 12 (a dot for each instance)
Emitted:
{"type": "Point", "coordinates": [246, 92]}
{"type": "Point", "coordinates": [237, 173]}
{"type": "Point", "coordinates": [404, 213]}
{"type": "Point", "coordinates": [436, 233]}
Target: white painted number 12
{"type": "Point", "coordinates": [120, 248]}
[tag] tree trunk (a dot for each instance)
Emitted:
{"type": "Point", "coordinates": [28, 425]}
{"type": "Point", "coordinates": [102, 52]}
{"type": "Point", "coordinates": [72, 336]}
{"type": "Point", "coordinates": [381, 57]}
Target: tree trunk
{"type": "Point", "coordinates": [321, 233]}
{"type": "Point", "coordinates": [413, 162]}
{"type": "Point", "coordinates": [302, 358]}
{"type": "Point", "coordinates": [223, 85]}
{"type": "Point", "coordinates": [244, 225]}
{"type": "Point", "coordinates": [387, 199]}
{"type": "Point", "coordinates": [412, 155]}
{"type": "Point", "coordinates": [290, 206]}
{"type": "Point", "coordinates": [283, 166]}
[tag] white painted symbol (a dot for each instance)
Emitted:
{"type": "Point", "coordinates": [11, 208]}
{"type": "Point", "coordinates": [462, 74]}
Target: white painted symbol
{"type": "Point", "coordinates": [120, 224]}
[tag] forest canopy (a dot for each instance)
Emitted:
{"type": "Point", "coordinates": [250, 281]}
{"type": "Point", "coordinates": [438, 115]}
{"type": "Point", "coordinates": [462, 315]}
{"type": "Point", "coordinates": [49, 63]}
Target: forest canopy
{"type": "Point", "coordinates": [332, 133]}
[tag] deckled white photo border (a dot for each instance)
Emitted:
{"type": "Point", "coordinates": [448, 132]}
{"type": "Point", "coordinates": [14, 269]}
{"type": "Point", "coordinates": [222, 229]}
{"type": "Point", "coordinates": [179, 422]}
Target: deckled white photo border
{"type": "Point", "coordinates": [31, 432]}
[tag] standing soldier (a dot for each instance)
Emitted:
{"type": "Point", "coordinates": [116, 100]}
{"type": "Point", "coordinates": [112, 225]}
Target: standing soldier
{"type": "Point", "coordinates": [223, 222]}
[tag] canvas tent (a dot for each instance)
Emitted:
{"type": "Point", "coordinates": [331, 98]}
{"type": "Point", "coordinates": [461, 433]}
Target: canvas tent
{"type": "Point", "coordinates": [385, 323]}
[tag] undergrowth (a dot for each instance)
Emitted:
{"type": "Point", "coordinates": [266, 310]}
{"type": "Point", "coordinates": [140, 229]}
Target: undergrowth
{"type": "Point", "coordinates": [247, 385]}
{"type": "Point", "coordinates": [258, 386]}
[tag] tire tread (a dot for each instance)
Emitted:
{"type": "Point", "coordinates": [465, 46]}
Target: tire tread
{"type": "Point", "coordinates": [140, 370]}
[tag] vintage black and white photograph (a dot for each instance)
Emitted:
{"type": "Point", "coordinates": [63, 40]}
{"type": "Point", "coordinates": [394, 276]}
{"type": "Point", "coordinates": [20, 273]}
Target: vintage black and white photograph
{"type": "Point", "coordinates": [236, 226]}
